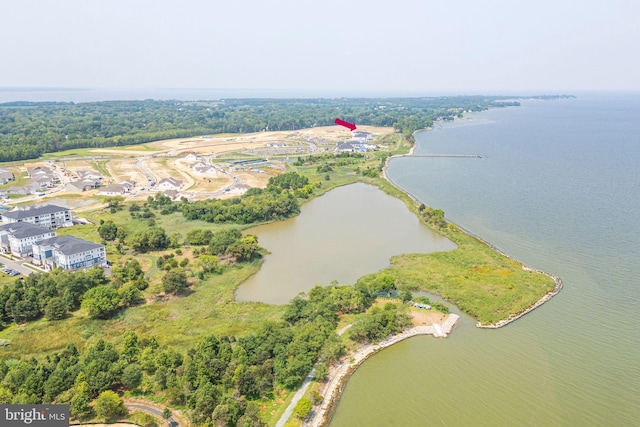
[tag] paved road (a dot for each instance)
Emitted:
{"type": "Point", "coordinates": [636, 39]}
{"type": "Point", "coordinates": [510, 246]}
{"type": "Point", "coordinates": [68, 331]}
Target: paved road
{"type": "Point", "coordinates": [143, 168]}
{"type": "Point", "coordinates": [170, 421]}
{"type": "Point", "coordinates": [15, 265]}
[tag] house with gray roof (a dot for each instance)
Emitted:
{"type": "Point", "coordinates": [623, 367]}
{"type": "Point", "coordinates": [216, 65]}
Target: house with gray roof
{"type": "Point", "coordinates": [169, 184]}
{"type": "Point", "coordinates": [68, 253]}
{"type": "Point", "coordinates": [6, 175]}
{"type": "Point", "coordinates": [18, 238]}
{"type": "Point", "coordinates": [50, 216]}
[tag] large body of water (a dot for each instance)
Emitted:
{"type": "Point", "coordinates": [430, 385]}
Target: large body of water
{"type": "Point", "coordinates": [558, 187]}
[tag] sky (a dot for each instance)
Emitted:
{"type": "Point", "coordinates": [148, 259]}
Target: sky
{"type": "Point", "coordinates": [461, 46]}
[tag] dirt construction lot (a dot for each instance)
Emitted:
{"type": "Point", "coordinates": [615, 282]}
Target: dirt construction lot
{"type": "Point", "coordinates": [218, 144]}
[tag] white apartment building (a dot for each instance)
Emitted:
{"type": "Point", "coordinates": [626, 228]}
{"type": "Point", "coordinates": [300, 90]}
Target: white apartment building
{"type": "Point", "coordinates": [18, 238]}
{"type": "Point", "coordinates": [50, 216]}
{"type": "Point", "coordinates": [69, 253]}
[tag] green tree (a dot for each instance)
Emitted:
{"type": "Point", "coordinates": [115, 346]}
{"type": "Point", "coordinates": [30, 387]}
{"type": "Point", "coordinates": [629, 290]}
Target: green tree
{"type": "Point", "coordinates": [208, 263]}
{"type": "Point", "coordinates": [166, 414]}
{"type": "Point", "coordinates": [55, 309]}
{"type": "Point", "coordinates": [222, 239]}
{"type": "Point", "coordinates": [302, 408]}
{"type": "Point", "coordinates": [101, 302]}
{"type": "Point", "coordinates": [244, 248]}
{"type": "Point", "coordinates": [108, 230]}
{"type": "Point", "coordinates": [175, 281]}
{"type": "Point", "coordinates": [79, 404]}
{"type": "Point", "coordinates": [130, 295]}
{"type": "Point", "coordinates": [132, 376]}
{"type": "Point", "coordinates": [109, 406]}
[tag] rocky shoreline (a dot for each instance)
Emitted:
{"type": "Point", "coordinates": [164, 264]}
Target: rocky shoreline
{"type": "Point", "coordinates": [340, 373]}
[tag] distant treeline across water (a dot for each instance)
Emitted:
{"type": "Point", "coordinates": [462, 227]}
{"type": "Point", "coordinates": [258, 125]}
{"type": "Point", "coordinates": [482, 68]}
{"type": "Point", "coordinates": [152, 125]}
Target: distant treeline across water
{"type": "Point", "coordinates": [30, 129]}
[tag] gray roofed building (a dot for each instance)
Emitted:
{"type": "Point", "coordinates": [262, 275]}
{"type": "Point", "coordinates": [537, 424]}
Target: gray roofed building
{"type": "Point", "coordinates": [51, 216]}
{"type": "Point", "coordinates": [18, 238]}
{"type": "Point", "coordinates": [169, 184]}
{"type": "Point", "coordinates": [344, 146]}
{"type": "Point", "coordinates": [70, 245]}
{"type": "Point", "coordinates": [23, 229]}
{"type": "Point", "coordinates": [69, 253]}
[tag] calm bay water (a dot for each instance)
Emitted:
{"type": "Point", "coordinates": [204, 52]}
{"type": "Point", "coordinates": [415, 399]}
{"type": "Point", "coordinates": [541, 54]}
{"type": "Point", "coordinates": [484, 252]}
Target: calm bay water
{"type": "Point", "coordinates": [557, 187]}
{"type": "Point", "coordinates": [343, 235]}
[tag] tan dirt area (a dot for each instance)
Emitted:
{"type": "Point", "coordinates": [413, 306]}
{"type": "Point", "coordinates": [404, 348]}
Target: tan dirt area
{"type": "Point", "coordinates": [125, 169]}
{"type": "Point", "coordinates": [217, 144]}
{"type": "Point", "coordinates": [422, 317]}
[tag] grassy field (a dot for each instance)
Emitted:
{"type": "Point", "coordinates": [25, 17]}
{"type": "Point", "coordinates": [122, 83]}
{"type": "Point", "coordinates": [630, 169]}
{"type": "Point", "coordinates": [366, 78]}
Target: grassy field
{"type": "Point", "coordinates": [178, 321]}
{"type": "Point", "coordinates": [101, 167]}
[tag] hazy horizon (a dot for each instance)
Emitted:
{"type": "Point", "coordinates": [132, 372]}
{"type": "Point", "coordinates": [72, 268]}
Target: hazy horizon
{"type": "Point", "coordinates": [359, 46]}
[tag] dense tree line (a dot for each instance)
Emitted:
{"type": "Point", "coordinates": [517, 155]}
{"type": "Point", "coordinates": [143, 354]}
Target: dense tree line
{"type": "Point", "coordinates": [218, 379]}
{"type": "Point", "coordinates": [29, 129]}
{"type": "Point", "coordinates": [55, 294]}
{"type": "Point", "coordinates": [256, 205]}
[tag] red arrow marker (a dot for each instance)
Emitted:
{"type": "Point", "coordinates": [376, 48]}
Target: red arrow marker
{"type": "Point", "coordinates": [350, 126]}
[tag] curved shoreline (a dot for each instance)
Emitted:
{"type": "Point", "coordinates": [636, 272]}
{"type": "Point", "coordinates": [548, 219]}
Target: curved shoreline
{"type": "Point", "coordinates": [513, 317]}
{"type": "Point", "coordinates": [339, 373]}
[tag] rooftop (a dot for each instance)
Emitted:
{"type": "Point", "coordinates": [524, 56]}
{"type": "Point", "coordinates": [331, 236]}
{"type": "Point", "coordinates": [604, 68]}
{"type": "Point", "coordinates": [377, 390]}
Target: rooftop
{"type": "Point", "coordinates": [22, 230]}
{"type": "Point", "coordinates": [34, 211]}
{"type": "Point", "coordinates": [69, 245]}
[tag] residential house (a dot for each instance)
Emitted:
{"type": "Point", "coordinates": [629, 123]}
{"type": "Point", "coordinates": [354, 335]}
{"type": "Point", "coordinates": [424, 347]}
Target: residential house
{"type": "Point", "coordinates": [113, 190]}
{"type": "Point", "coordinates": [6, 175]}
{"type": "Point", "coordinates": [361, 137]}
{"type": "Point", "coordinates": [92, 175]}
{"type": "Point", "coordinates": [50, 216]}
{"type": "Point", "coordinates": [169, 184]}
{"type": "Point", "coordinates": [81, 185]}
{"type": "Point", "coordinates": [117, 189]}
{"type": "Point", "coordinates": [191, 157]}
{"type": "Point", "coordinates": [18, 238]}
{"type": "Point", "coordinates": [172, 194]}
{"type": "Point", "coordinates": [69, 253]}
{"type": "Point", "coordinates": [203, 168]}
{"type": "Point", "coordinates": [344, 147]}
{"type": "Point", "coordinates": [42, 172]}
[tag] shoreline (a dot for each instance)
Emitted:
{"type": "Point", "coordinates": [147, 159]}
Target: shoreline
{"type": "Point", "coordinates": [513, 317]}
{"type": "Point", "coordinates": [340, 372]}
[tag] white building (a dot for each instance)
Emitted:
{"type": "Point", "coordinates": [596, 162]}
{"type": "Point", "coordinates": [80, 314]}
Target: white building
{"type": "Point", "coordinates": [69, 253]}
{"type": "Point", "coordinates": [50, 216]}
{"type": "Point", "coordinates": [18, 238]}
{"type": "Point", "coordinates": [169, 184]}
{"type": "Point", "coordinates": [191, 157]}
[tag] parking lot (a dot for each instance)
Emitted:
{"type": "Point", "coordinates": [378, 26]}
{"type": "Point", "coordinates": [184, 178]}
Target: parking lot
{"type": "Point", "coordinates": [9, 271]}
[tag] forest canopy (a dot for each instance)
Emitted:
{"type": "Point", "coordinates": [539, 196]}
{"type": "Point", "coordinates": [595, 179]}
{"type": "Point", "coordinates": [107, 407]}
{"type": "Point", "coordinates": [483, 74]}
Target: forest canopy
{"type": "Point", "coordinates": [30, 129]}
